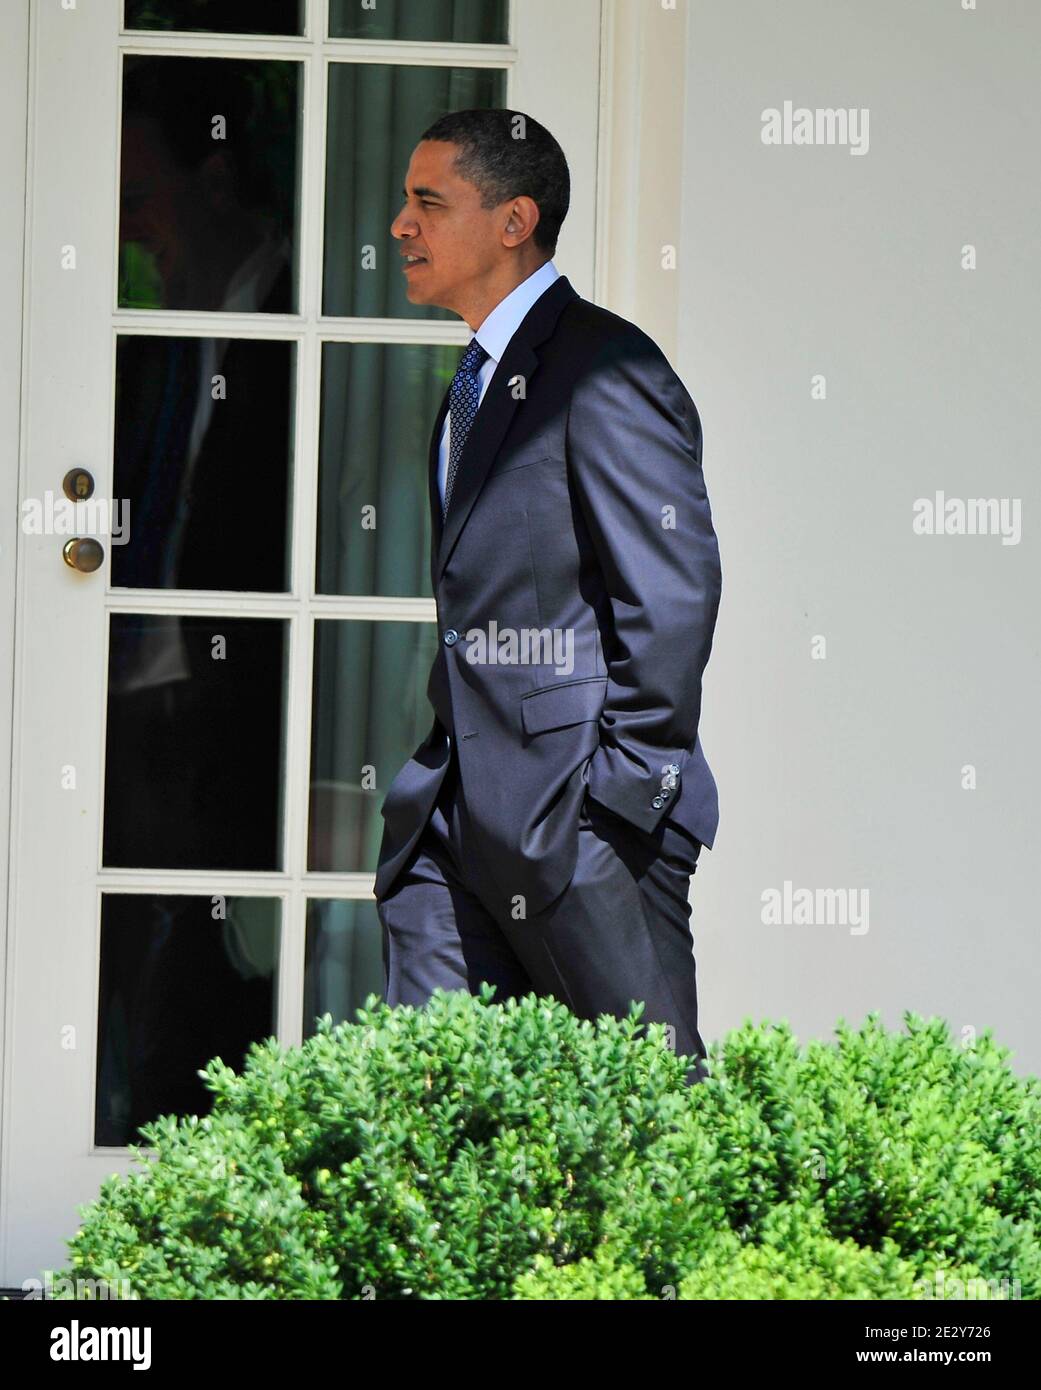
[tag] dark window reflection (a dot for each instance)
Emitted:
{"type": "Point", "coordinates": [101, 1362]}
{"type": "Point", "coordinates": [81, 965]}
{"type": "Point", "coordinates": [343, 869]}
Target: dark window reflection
{"type": "Point", "coordinates": [178, 986]}
{"type": "Point", "coordinates": [193, 756]}
{"type": "Point", "coordinates": [203, 441]}
{"type": "Point", "coordinates": [373, 492]}
{"type": "Point", "coordinates": [217, 16]}
{"type": "Point", "coordinates": [343, 962]}
{"type": "Point", "coordinates": [438, 21]}
{"type": "Point", "coordinates": [208, 223]}
{"type": "Point", "coordinates": [377, 112]}
{"type": "Point", "coordinates": [370, 713]}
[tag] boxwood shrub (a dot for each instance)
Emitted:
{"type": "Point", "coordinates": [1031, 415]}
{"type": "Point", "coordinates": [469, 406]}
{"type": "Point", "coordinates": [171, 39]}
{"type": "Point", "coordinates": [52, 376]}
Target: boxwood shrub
{"type": "Point", "coordinates": [479, 1151]}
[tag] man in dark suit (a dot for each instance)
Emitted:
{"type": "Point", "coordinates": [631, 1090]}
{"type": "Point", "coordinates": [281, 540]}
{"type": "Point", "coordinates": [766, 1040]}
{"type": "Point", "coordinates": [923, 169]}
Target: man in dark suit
{"type": "Point", "coordinates": [544, 835]}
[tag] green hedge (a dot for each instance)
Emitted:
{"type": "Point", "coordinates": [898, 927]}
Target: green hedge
{"type": "Point", "coordinates": [470, 1150]}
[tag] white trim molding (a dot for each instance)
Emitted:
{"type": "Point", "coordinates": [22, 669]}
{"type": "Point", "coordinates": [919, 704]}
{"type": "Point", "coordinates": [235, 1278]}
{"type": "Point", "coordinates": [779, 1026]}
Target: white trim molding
{"type": "Point", "coordinates": [642, 88]}
{"type": "Point", "coordinates": [14, 108]}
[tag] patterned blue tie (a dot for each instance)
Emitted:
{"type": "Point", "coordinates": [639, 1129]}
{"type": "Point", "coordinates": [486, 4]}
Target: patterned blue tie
{"type": "Point", "coordinates": [464, 398]}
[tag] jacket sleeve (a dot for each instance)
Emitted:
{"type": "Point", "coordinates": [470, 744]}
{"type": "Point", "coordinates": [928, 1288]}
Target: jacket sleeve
{"type": "Point", "coordinates": [634, 458]}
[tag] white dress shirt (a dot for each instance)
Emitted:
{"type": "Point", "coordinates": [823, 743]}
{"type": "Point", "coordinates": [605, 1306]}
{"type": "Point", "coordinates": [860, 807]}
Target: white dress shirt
{"type": "Point", "coordinates": [493, 335]}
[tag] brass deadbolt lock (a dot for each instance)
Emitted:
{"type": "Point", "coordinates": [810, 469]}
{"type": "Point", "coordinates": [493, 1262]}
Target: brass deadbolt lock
{"type": "Point", "coordinates": [78, 484]}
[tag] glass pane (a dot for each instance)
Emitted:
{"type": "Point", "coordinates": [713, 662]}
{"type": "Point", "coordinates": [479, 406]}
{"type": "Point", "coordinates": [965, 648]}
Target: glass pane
{"type": "Point", "coordinates": [193, 760]}
{"type": "Point", "coordinates": [343, 960]}
{"type": "Point", "coordinates": [370, 715]}
{"type": "Point", "coordinates": [377, 113]}
{"type": "Point", "coordinates": [217, 16]}
{"type": "Point", "coordinates": [203, 438]}
{"type": "Point", "coordinates": [378, 406]}
{"type": "Point", "coordinates": [183, 979]}
{"type": "Point", "coordinates": [438, 21]}
{"type": "Point", "coordinates": [208, 184]}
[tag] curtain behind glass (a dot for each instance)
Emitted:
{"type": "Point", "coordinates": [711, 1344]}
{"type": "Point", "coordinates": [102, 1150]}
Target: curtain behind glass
{"type": "Point", "coordinates": [379, 404]}
{"type": "Point", "coordinates": [377, 112]}
{"type": "Point", "coordinates": [432, 21]}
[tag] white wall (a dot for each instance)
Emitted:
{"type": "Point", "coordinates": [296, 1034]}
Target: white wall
{"type": "Point", "coordinates": [801, 260]}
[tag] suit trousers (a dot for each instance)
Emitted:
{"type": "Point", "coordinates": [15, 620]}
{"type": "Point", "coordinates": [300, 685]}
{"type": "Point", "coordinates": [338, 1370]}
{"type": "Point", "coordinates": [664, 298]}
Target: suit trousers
{"type": "Point", "coordinates": [620, 931]}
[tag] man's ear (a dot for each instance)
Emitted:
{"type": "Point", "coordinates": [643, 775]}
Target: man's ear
{"type": "Point", "coordinates": [521, 222]}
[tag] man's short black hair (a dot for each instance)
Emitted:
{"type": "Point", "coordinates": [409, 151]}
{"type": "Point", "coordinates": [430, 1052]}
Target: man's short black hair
{"type": "Point", "coordinates": [506, 154]}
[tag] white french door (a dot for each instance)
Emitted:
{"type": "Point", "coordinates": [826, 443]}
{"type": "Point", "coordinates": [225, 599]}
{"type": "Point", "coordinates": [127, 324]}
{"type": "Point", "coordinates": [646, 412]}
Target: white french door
{"type": "Point", "coordinates": [222, 645]}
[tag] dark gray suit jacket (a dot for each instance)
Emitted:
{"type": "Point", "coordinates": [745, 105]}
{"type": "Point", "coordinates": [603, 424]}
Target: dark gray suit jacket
{"type": "Point", "coordinates": [579, 508]}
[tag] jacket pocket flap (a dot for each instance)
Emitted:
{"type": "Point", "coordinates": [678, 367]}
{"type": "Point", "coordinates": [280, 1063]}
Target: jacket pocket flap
{"type": "Point", "coordinates": [554, 706]}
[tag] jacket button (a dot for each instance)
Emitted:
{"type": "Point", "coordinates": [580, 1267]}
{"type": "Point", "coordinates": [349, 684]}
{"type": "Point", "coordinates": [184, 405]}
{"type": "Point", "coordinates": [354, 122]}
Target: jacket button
{"type": "Point", "coordinates": [671, 770]}
{"type": "Point", "coordinates": [657, 803]}
{"type": "Point", "coordinates": [451, 637]}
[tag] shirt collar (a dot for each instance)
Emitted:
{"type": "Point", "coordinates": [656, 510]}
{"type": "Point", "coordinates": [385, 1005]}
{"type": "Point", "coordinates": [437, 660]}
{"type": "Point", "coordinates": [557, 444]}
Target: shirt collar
{"type": "Point", "coordinates": [504, 320]}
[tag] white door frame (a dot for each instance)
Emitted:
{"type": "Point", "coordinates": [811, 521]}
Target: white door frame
{"type": "Point", "coordinates": [614, 251]}
{"type": "Point", "coordinates": [14, 115]}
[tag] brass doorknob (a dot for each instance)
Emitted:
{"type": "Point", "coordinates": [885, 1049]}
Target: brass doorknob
{"type": "Point", "coordinates": [83, 553]}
